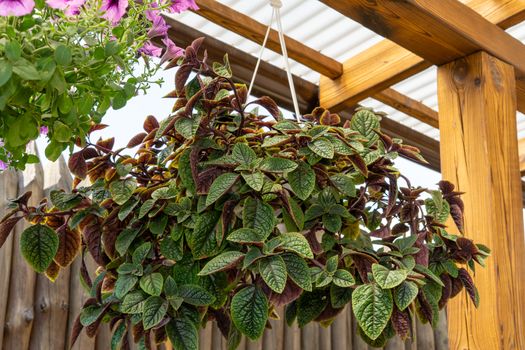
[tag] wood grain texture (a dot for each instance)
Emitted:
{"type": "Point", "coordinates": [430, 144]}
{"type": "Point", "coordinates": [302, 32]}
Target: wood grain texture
{"type": "Point", "coordinates": [479, 151]}
{"type": "Point", "coordinates": [425, 335]}
{"type": "Point", "coordinates": [249, 28]}
{"type": "Point", "coordinates": [8, 190]}
{"type": "Point", "coordinates": [52, 298]}
{"type": "Point", "coordinates": [408, 106]}
{"type": "Point", "coordinates": [431, 26]}
{"type": "Point", "coordinates": [21, 302]}
{"type": "Point", "coordinates": [441, 332]}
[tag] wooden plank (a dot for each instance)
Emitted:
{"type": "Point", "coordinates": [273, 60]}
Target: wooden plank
{"type": "Point", "coordinates": [408, 106]}
{"type": "Point", "coordinates": [52, 298]}
{"type": "Point", "coordinates": [8, 190]}
{"type": "Point", "coordinates": [21, 307]}
{"type": "Point", "coordinates": [477, 104]}
{"type": "Point", "coordinates": [441, 332]}
{"type": "Point", "coordinates": [310, 337]}
{"type": "Point", "coordinates": [340, 331]}
{"type": "Point", "coordinates": [249, 28]}
{"type": "Point", "coordinates": [425, 335]}
{"type": "Point", "coordinates": [387, 63]}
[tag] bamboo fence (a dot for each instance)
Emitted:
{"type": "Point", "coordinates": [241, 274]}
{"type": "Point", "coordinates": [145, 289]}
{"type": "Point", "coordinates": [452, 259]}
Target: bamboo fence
{"type": "Point", "coordinates": [37, 314]}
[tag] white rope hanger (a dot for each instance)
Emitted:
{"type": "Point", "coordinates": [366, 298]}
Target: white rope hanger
{"type": "Point", "coordinates": [276, 12]}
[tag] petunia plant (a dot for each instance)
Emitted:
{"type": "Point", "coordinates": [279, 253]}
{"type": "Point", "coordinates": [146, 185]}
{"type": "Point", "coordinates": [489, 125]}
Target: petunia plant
{"type": "Point", "coordinates": [64, 63]}
{"type": "Point", "coordinates": [228, 211]}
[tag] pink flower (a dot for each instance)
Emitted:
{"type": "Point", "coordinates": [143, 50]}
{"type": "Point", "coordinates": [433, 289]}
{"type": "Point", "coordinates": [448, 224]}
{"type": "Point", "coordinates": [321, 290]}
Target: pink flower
{"type": "Point", "coordinates": [183, 5]}
{"type": "Point", "coordinates": [44, 130]}
{"type": "Point", "coordinates": [172, 50]}
{"type": "Point", "coordinates": [158, 28]}
{"type": "Point", "coordinates": [70, 7]}
{"type": "Point", "coordinates": [150, 50]}
{"type": "Point", "coordinates": [16, 7]}
{"type": "Point", "coordinates": [153, 12]}
{"type": "Point", "coordinates": [3, 166]}
{"type": "Point", "coordinates": [114, 9]}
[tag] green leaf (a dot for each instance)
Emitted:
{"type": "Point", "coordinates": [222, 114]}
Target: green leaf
{"type": "Point", "coordinates": [259, 216]}
{"type": "Point", "coordinates": [152, 283]}
{"type": "Point", "coordinates": [188, 127]}
{"type": "Point", "coordinates": [252, 255]}
{"type": "Point", "coordinates": [155, 309]}
{"type": "Point", "coordinates": [277, 165]}
{"type": "Point", "coordinates": [202, 239]}
{"type": "Point", "coordinates": [26, 70]}
{"type": "Point", "coordinates": [298, 270]}
{"type": "Point", "coordinates": [133, 303]}
{"type": "Point", "coordinates": [222, 262]}
{"type": "Point", "coordinates": [222, 70]}
{"type": "Point", "coordinates": [146, 207]}
{"type": "Point", "coordinates": [246, 236]}
{"type": "Point", "coordinates": [6, 71]}
{"type": "Point", "coordinates": [185, 171]}
{"type": "Point", "coordinates": [372, 308]}
{"type": "Point", "coordinates": [302, 180]}
{"type": "Point", "coordinates": [366, 122]}
{"type": "Point", "coordinates": [122, 190]}
{"type": "Point", "coordinates": [332, 222]}
{"type": "Point", "coordinates": [249, 311]}
{"type": "Point", "coordinates": [242, 153]}
{"type": "Point", "coordinates": [124, 240]}
{"type": "Point", "coordinates": [344, 184]}
{"type": "Point", "coordinates": [388, 278]}
{"type": "Point", "coordinates": [343, 279]}
{"type": "Point", "coordinates": [172, 249]}
{"type": "Point", "coordinates": [276, 140]}
{"type": "Point", "coordinates": [61, 132]}
{"type": "Point", "coordinates": [339, 297]}
{"type": "Point", "coordinates": [405, 294]}
{"type": "Point", "coordinates": [322, 147]}
{"type": "Point", "coordinates": [425, 271]}
{"type": "Point", "coordinates": [254, 180]}
{"type": "Point", "coordinates": [39, 245]}
{"type": "Point", "coordinates": [195, 295]}
{"type": "Point", "coordinates": [310, 305]}
{"type": "Point", "coordinates": [158, 224]}
{"type": "Point", "coordinates": [273, 272]}
{"type": "Point", "coordinates": [116, 339]}
{"type": "Point", "coordinates": [437, 207]}
{"type": "Point", "coordinates": [297, 243]}
{"type": "Point", "coordinates": [141, 253]}
{"type": "Point", "coordinates": [63, 55]}
{"type": "Point", "coordinates": [220, 186]}
{"type": "Point", "coordinates": [183, 334]}
{"type": "Point", "coordinates": [124, 284]}
{"type": "Point", "coordinates": [90, 314]}
{"type": "Point", "coordinates": [13, 50]}
{"type": "Point", "coordinates": [127, 208]}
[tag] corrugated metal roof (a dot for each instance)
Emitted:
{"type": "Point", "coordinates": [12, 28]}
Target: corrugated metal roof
{"type": "Point", "coordinates": [326, 30]}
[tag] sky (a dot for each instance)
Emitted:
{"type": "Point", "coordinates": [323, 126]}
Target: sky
{"type": "Point", "coordinates": [127, 122]}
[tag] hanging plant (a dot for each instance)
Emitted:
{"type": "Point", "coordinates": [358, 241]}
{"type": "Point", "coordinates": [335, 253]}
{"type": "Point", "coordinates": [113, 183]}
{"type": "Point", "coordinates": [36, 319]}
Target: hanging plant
{"type": "Point", "coordinates": [64, 63]}
{"type": "Point", "coordinates": [226, 213]}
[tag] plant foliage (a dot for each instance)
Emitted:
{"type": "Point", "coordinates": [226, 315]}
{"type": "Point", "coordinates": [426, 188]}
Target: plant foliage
{"type": "Point", "coordinates": [225, 213]}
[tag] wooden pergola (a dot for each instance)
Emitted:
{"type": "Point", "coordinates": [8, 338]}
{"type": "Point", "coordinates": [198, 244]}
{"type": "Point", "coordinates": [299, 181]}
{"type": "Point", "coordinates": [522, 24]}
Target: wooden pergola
{"type": "Point", "coordinates": [481, 85]}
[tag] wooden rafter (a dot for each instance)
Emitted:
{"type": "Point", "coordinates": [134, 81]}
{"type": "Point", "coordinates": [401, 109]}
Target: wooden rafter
{"type": "Point", "coordinates": [251, 29]}
{"type": "Point", "coordinates": [438, 31]}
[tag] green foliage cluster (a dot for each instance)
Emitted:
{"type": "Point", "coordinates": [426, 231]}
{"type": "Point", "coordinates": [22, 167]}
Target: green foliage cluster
{"type": "Point", "coordinates": [61, 74]}
{"type": "Point", "coordinates": [225, 213]}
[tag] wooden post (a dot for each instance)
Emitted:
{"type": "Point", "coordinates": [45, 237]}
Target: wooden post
{"type": "Point", "coordinates": [479, 154]}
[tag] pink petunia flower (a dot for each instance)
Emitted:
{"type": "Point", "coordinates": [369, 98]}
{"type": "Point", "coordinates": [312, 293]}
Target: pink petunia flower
{"type": "Point", "coordinates": [158, 28]}
{"type": "Point", "coordinates": [150, 49]}
{"type": "Point", "coordinates": [183, 5]}
{"type": "Point", "coordinates": [172, 50]}
{"type": "Point", "coordinates": [70, 7]}
{"type": "Point", "coordinates": [44, 130]}
{"type": "Point", "coordinates": [3, 166]}
{"type": "Point", "coordinates": [114, 9]}
{"type": "Point", "coordinates": [153, 12]}
{"type": "Point", "coordinates": [16, 7]}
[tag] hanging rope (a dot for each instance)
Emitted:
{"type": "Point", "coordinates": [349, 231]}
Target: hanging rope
{"type": "Point", "coordinates": [276, 12]}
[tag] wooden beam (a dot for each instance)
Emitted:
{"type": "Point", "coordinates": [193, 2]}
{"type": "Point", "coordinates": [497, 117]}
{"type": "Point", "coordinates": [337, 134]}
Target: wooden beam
{"type": "Point", "coordinates": [408, 106]}
{"type": "Point", "coordinates": [249, 28]}
{"type": "Point", "coordinates": [388, 63]}
{"type": "Point", "coordinates": [479, 150]}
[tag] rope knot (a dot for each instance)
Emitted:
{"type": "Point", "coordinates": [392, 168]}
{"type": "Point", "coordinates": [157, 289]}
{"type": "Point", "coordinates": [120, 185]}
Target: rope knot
{"type": "Point", "coordinates": [276, 4]}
